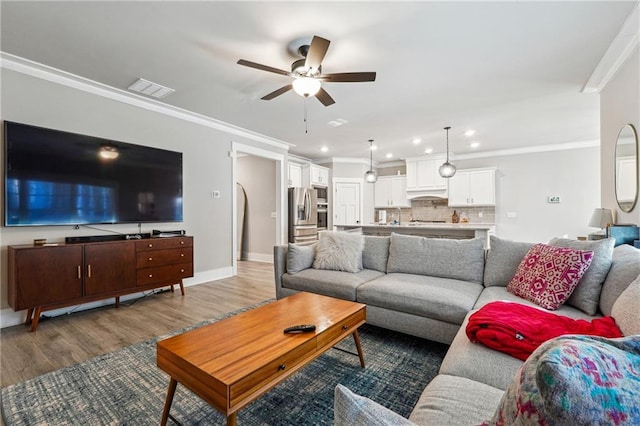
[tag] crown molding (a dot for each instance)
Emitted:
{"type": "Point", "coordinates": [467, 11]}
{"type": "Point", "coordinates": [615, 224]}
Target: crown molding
{"type": "Point", "coordinates": [625, 43]}
{"type": "Point", "coordinates": [54, 75]}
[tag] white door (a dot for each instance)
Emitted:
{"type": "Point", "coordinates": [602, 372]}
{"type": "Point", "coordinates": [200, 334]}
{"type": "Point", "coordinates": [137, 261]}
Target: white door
{"type": "Point", "coordinates": [346, 210]}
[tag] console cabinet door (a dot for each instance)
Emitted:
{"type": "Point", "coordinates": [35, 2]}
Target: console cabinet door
{"type": "Point", "coordinates": [109, 267]}
{"type": "Point", "coordinates": [43, 276]}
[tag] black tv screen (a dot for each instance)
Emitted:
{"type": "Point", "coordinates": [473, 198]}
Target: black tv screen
{"type": "Point", "coordinates": [59, 178]}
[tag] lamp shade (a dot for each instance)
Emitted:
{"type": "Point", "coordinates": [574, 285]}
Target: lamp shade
{"type": "Point", "coordinates": [370, 176]}
{"type": "Point", "coordinates": [601, 218]}
{"type": "Point", "coordinates": [447, 170]}
{"type": "Point", "coordinates": [306, 86]}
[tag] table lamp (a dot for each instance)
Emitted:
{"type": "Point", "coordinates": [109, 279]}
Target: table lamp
{"type": "Point", "coordinates": [601, 218]}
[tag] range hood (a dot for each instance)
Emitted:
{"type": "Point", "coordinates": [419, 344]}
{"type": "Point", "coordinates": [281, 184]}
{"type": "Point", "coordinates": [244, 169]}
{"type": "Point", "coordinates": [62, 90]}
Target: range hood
{"type": "Point", "coordinates": [427, 194]}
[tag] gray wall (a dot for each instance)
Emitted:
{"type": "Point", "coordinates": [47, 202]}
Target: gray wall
{"type": "Point", "coordinates": [619, 105]}
{"type": "Point", "coordinates": [207, 165]}
{"type": "Point", "coordinates": [258, 177]}
{"type": "Point", "coordinates": [525, 181]}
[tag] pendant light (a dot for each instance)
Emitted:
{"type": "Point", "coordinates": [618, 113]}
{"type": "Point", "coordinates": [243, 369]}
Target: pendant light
{"type": "Point", "coordinates": [370, 175]}
{"type": "Point", "coordinates": [447, 169]}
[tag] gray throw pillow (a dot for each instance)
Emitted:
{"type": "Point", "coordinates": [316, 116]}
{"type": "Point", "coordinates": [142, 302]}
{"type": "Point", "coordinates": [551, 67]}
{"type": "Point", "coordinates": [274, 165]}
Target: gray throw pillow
{"type": "Point", "coordinates": [350, 409]}
{"type": "Point", "coordinates": [299, 258]}
{"type": "Point", "coordinates": [587, 294]}
{"type": "Point", "coordinates": [503, 259]}
{"type": "Point", "coordinates": [339, 251]}
{"type": "Point", "coordinates": [626, 310]}
{"type": "Point", "coordinates": [375, 253]}
{"type": "Point", "coordinates": [437, 257]}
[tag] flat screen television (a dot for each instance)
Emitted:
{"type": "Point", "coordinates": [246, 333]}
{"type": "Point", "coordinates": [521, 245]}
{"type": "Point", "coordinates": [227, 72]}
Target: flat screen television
{"type": "Point", "coordinates": [53, 177]}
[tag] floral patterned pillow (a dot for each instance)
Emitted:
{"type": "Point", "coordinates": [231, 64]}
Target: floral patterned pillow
{"type": "Point", "coordinates": [548, 275]}
{"type": "Point", "coordinates": [575, 380]}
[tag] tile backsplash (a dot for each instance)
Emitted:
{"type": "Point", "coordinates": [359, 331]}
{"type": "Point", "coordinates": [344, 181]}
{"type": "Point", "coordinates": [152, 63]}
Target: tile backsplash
{"type": "Point", "coordinates": [438, 210]}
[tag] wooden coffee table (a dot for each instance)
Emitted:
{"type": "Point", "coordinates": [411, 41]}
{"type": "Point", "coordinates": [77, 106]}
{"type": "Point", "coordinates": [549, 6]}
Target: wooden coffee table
{"type": "Point", "coordinates": [230, 363]}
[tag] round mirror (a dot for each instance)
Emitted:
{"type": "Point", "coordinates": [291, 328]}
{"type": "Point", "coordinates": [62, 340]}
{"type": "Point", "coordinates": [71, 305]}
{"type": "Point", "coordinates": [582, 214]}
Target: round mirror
{"type": "Point", "coordinates": [626, 179]}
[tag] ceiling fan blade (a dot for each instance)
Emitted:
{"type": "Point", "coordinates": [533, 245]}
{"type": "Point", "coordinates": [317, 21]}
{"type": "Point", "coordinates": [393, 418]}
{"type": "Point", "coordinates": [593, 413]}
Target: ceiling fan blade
{"type": "Point", "coordinates": [262, 67]}
{"type": "Point", "coordinates": [324, 97]}
{"type": "Point", "coordinates": [317, 50]}
{"type": "Point", "coordinates": [349, 77]}
{"type": "Point", "coordinates": [280, 91]}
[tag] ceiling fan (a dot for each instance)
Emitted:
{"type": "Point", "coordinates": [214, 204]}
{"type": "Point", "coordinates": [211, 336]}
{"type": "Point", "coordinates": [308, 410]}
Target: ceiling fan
{"type": "Point", "coordinates": [307, 73]}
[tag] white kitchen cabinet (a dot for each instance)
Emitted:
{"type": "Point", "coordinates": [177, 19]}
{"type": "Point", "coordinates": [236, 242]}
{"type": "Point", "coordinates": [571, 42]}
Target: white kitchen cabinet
{"type": "Point", "coordinates": [314, 175]}
{"type": "Point", "coordinates": [391, 191]}
{"type": "Point", "coordinates": [473, 187]}
{"type": "Point", "coordinates": [422, 174]}
{"type": "Point", "coordinates": [295, 175]}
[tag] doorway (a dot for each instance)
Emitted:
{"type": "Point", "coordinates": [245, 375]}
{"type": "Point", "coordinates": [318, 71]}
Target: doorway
{"type": "Point", "coordinates": [263, 178]}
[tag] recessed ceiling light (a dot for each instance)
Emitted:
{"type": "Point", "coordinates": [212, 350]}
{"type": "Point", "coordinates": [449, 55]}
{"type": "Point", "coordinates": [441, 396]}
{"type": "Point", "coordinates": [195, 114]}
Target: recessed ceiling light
{"type": "Point", "coordinates": [474, 144]}
{"type": "Point", "coordinates": [389, 155]}
{"type": "Point", "coordinates": [416, 141]}
{"type": "Point", "coordinates": [469, 133]}
{"type": "Point", "coordinates": [428, 151]}
{"type": "Point", "coordinates": [337, 122]}
{"type": "Point", "coordinates": [324, 149]}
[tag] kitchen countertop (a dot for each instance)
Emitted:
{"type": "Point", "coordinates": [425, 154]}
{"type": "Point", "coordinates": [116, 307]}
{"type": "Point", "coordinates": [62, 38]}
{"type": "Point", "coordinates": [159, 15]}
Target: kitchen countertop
{"type": "Point", "coordinates": [426, 225]}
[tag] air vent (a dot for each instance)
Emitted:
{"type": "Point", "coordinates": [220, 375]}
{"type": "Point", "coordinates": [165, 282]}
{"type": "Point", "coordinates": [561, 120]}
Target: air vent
{"type": "Point", "coordinates": [149, 88]}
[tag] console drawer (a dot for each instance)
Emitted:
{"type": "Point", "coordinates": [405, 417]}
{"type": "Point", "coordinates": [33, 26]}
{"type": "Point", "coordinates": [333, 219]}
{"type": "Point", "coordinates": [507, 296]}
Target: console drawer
{"type": "Point", "coordinates": [164, 243]}
{"type": "Point", "coordinates": [271, 372]}
{"type": "Point", "coordinates": [147, 259]}
{"type": "Point", "coordinates": [167, 273]}
{"type": "Point", "coordinates": [339, 330]}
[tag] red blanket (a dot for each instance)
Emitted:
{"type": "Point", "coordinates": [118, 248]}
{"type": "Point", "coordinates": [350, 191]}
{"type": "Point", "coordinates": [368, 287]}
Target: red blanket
{"type": "Point", "coordinates": [518, 329]}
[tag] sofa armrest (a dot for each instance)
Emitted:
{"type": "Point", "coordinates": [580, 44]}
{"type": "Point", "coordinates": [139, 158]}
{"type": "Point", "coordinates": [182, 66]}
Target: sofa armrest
{"type": "Point", "coordinates": [350, 409]}
{"type": "Point", "coordinates": [279, 267]}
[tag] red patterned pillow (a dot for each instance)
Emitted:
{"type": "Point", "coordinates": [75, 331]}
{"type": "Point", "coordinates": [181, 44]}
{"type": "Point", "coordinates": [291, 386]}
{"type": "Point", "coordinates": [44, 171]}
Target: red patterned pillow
{"type": "Point", "coordinates": [548, 275]}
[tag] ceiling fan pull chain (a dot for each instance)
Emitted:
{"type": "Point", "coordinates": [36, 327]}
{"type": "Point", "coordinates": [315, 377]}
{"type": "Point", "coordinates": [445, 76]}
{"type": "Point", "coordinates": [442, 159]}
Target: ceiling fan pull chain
{"type": "Point", "coordinates": [306, 124]}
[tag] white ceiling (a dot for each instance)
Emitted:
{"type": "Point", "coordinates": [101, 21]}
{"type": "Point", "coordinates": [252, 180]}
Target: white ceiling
{"type": "Point", "coordinates": [513, 71]}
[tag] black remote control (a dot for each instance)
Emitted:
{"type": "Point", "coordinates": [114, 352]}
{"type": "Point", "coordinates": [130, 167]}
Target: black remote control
{"type": "Point", "coordinates": [305, 328]}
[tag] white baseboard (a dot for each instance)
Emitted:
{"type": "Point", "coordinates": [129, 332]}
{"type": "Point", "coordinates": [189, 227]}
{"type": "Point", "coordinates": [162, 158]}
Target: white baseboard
{"type": "Point", "coordinates": [259, 257]}
{"type": "Point", "coordinates": [8, 317]}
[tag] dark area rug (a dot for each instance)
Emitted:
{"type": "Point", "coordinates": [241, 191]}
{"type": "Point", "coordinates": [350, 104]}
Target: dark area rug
{"type": "Point", "coordinates": [126, 388]}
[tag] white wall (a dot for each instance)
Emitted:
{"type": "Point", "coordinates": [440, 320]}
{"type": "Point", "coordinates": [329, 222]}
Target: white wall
{"type": "Point", "coordinates": [525, 181]}
{"type": "Point", "coordinates": [619, 105]}
{"type": "Point", "coordinates": [207, 165]}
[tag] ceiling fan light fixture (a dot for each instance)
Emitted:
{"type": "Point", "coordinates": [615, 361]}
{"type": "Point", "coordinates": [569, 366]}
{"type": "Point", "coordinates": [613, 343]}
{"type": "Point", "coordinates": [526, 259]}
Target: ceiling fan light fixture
{"type": "Point", "coordinates": [447, 170]}
{"type": "Point", "coordinates": [370, 176]}
{"type": "Point", "coordinates": [306, 86]}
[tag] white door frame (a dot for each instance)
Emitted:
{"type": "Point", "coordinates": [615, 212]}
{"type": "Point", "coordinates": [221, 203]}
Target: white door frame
{"type": "Point", "coordinates": [281, 195]}
{"type": "Point", "coordinates": [338, 180]}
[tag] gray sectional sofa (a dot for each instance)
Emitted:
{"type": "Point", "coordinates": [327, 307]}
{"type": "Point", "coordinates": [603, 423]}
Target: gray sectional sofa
{"type": "Point", "coordinates": [429, 288]}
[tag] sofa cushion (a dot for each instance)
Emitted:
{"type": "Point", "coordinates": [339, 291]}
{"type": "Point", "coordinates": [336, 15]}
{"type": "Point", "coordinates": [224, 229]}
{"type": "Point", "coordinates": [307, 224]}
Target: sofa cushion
{"type": "Point", "coordinates": [456, 259]}
{"type": "Point", "coordinates": [451, 400]}
{"type": "Point", "coordinates": [625, 268]}
{"type": "Point", "coordinates": [548, 275]}
{"type": "Point", "coordinates": [350, 409]}
{"type": "Point", "coordinates": [376, 253]}
{"type": "Point", "coordinates": [339, 251]}
{"type": "Point", "coordinates": [551, 386]}
{"type": "Point", "coordinates": [626, 310]}
{"type": "Point", "coordinates": [477, 362]}
{"type": "Point", "coordinates": [338, 284]}
{"type": "Point", "coordinates": [299, 257]}
{"type": "Point", "coordinates": [443, 299]}
{"type": "Point", "coordinates": [492, 294]}
{"type": "Point", "coordinates": [587, 293]}
{"type": "Point", "coordinates": [503, 259]}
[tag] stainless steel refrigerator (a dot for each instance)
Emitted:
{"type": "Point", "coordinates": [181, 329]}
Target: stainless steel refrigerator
{"type": "Point", "coordinates": [303, 216]}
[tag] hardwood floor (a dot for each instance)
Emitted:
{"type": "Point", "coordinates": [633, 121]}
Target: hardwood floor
{"type": "Point", "coordinates": [70, 339]}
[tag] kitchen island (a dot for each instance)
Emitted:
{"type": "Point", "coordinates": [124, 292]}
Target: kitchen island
{"type": "Point", "coordinates": [431, 230]}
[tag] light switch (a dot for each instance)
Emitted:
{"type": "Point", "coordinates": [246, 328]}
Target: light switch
{"type": "Point", "coordinates": [215, 194]}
